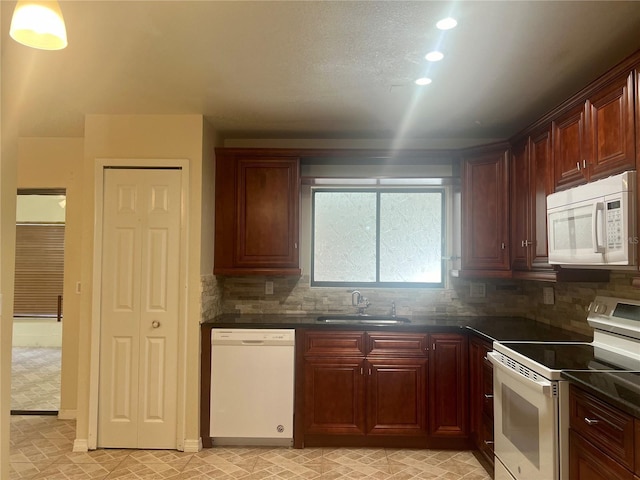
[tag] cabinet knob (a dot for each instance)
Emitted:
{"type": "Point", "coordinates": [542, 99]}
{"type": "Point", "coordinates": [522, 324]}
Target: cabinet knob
{"type": "Point", "coordinates": [155, 324]}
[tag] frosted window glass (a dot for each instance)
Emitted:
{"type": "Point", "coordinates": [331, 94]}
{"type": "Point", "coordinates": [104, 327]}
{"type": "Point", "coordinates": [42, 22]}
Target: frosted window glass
{"type": "Point", "coordinates": [345, 237]}
{"type": "Point", "coordinates": [378, 236]}
{"type": "Point", "coordinates": [411, 237]}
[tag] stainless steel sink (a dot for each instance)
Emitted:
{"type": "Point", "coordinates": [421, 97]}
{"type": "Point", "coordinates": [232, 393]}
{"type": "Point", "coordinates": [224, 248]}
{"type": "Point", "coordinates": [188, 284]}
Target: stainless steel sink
{"type": "Point", "coordinates": [363, 319]}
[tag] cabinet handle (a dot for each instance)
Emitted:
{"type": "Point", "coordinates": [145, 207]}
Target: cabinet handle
{"type": "Point", "coordinates": [503, 246]}
{"type": "Point", "coordinates": [584, 164]}
{"type": "Point", "coordinates": [591, 421]}
{"type": "Point", "coordinates": [526, 243]}
{"type": "Point", "coordinates": [488, 396]}
{"type": "Point", "coordinates": [369, 372]}
{"type": "Point", "coordinates": [361, 371]}
{"type": "Point", "coordinates": [578, 165]}
{"type": "Point", "coordinates": [488, 442]}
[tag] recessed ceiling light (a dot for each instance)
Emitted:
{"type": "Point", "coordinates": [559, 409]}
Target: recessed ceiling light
{"type": "Point", "coordinates": [423, 81]}
{"type": "Point", "coordinates": [447, 23]}
{"type": "Point", "coordinates": [434, 56]}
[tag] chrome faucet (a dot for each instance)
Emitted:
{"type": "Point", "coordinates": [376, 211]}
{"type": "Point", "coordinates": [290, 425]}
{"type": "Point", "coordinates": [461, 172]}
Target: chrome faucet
{"type": "Point", "coordinates": [360, 302]}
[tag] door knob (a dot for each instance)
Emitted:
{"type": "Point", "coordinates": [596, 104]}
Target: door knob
{"type": "Point", "coordinates": [155, 324]}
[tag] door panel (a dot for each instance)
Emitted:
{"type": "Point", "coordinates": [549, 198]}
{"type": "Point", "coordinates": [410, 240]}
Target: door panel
{"type": "Point", "coordinates": [139, 314]}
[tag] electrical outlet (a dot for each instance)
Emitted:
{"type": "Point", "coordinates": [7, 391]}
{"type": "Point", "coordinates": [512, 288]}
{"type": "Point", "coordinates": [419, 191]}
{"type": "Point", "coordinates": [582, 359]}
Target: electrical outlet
{"type": "Point", "coordinates": [547, 296]}
{"type": "Point", "coordinates": [268, 287]}
{"type": "Point", "coordinates": [477, 290]}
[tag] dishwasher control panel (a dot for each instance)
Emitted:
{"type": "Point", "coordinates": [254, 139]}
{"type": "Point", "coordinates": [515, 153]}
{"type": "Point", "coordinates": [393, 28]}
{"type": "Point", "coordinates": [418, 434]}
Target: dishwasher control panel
{"type": "Point", "coordinates": [254, 336]}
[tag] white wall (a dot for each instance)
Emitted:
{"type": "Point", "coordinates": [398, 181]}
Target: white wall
{"type": "Point", "coordinates": [144, 137]}
{"type": "Point", "coordinates": [58, 163]}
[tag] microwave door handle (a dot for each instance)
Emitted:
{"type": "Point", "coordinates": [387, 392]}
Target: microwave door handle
{"type": "Point", "coordinates": [598, 219]}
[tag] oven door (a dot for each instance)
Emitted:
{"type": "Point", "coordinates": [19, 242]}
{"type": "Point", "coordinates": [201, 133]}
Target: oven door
{"type": "Point", "coordinates": [525, 424]}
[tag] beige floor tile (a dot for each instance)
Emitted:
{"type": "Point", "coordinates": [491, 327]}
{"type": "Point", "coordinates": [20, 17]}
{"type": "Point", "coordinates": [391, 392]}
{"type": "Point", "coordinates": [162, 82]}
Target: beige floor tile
{"type": "Point", "coordinates": [305, 456]}
{"type": "Point", "coordinates": [20, 471]}
{"type": "Point", "coordinates": [172, 457]}
{"type": "Point", "coordinates": [285, 469]}
{"type": "Point", "coordinates": [145, 471]}
{"type": "Point", "coordinates": [409, 472]}
{"type": "Point", "coordinates": [101, 455]}
{"type": "Point", "coordinates": [72, 471]}
{"type": "Point", "coordinates": [354, 456]}
{"type": "Point", "coordinates": [39, 449]}
{"type": "Point", "coordinates": [356, 471]}
{"type": "Point", "coordinates": [220, 470]}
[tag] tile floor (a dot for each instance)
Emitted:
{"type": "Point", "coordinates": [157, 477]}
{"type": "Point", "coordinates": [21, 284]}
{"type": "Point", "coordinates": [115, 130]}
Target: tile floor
{"type": "Point", "coordinates": [35, 378]}
{"type": "Point", "coordinates": [41, 449]}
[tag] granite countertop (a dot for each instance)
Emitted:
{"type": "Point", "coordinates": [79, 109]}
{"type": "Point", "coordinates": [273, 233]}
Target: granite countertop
{"type": "Point", "coordinates": [489, 328]}
{"type": "Point", "coordinates": [620, 389]}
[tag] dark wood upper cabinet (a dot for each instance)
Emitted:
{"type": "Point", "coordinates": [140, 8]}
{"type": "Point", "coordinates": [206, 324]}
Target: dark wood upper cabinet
{"type": "Point", "coordinates": [611, 126]}
{"type": "Point", "coordinates": [485, 210]}
{"type": "Point", "coordinates": [595, 139]}
{"type": "Point", "coordinates": [520, 207]}
{"type": "Point", "coordinates": [530, 185]}
{"type": "Point", "coordinates": [257, 214]}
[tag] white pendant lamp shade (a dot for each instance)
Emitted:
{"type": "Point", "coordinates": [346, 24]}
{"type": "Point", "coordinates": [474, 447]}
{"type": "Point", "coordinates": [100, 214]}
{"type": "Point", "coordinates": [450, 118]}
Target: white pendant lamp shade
{"type": "Point", "coordinates": [39, 24]}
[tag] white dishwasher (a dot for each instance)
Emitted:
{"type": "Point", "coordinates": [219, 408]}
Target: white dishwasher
{"type": "Point", "coordinates": [252, 386]}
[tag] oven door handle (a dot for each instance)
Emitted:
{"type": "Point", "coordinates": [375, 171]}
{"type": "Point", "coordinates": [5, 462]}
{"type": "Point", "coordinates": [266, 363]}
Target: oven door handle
{"type": "Point", "coordinates": [542, 385]}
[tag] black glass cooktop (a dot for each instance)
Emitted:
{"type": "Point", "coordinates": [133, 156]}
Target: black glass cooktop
{"type": "Point", "coordinates": [572, 356]}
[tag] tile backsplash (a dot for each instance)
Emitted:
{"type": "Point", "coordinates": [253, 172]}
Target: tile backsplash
{"type": "Point", "coordinates": [293, 295]}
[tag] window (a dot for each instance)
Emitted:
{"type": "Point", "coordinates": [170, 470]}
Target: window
{"type": "Point", "coordinates": [378, 237]}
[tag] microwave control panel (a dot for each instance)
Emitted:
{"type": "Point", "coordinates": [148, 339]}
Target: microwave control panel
{"type": "Point", "coordinates": [614, 225]}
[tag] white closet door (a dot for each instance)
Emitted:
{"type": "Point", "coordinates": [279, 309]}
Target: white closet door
{"type": "Point", "coordinates": [139, 308]}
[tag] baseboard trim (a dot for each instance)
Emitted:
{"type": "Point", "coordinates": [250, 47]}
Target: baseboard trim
{"type": "Point", "coordinates": [67, 414]}
{"type": "Point", "coordinates": [80, 445]}
{"type": "Point", "coordinates": [193, 446]}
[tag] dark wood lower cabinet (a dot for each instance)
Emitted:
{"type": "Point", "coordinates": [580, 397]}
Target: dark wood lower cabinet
{"type": "Point", "coordinates": [603, 440]}
{"type": "Point", "coordinates": [448, 386]}
{"type": "Point", "coordinates": [586, 462]}
{"type": "Point", "coordinates": [334, 396]}
{"type": "Point", "coordinates": [392, 389]}
{"type": "Point", "coordinates": [396, 396]}
{"type": "Point", "coordinates": [481, 399]}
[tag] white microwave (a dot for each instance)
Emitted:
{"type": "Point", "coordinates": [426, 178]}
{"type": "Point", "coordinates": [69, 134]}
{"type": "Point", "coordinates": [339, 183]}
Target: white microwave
{"type": "Point", "coordinates": [594, 225]}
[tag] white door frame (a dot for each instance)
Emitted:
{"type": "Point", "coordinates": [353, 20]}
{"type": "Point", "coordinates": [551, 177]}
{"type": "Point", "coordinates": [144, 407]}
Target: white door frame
{"type": "Point", "coordinates": [94, 367]}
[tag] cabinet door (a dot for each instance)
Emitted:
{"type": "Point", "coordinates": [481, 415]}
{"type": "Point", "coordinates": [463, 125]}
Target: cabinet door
{"type": "Point", "coordinates": [540, 186]}
{"type": "Point", "coordinates": [611, 125]}
{"type": "Point", "coordinates": [448, 385]}
{"type": "Point", "coordinates": [396, 396]}
{"type": "Point", "coordinates": [481, 393]}
{"type": "Point", "coordinates": [334, 396]}
{"type": "Point", "coordinates": [570, 150]}
{"type": "Point", "coordinates": [520, 207]}
{"type": "Point", "coordinates": [267, 224]}
{"type": "Point", "coordinates": [485, 210]}
{"type": "Point", "coordinates": [586, 462]}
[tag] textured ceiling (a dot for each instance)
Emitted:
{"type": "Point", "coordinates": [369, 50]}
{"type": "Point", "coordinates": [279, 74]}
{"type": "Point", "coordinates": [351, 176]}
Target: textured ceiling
{"type": "Point", "coordinates": [316, 68]}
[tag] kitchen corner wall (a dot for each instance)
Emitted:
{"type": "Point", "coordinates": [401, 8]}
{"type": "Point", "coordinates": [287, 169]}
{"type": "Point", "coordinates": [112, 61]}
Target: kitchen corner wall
{"type": "Point", "coordinates": [293, 295]}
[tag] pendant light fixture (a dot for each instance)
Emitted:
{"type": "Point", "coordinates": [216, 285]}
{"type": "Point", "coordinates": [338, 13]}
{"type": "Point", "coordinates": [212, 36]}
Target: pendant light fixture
{"type": "Point", "coordinates": [39, 24]}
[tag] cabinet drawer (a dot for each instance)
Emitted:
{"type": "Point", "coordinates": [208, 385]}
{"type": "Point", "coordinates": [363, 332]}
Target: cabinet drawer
{"type": "Point", "coordinates": [606, 427]}
{"type": "Point", "coordinates": [397, 344]}
{"type": "Point", "coordinates": [487, 390]}
{"type": "Point", "coordinates": [332, 343]}
{"type": "Point", "coordinates": [589, 463]}
{"type": "Point", "coordinates": [486, 435]}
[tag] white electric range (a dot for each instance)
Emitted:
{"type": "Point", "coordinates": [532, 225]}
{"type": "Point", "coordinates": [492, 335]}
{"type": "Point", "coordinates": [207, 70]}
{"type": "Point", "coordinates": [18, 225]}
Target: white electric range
{"type": "Point", "coordinates": [531, 400]}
